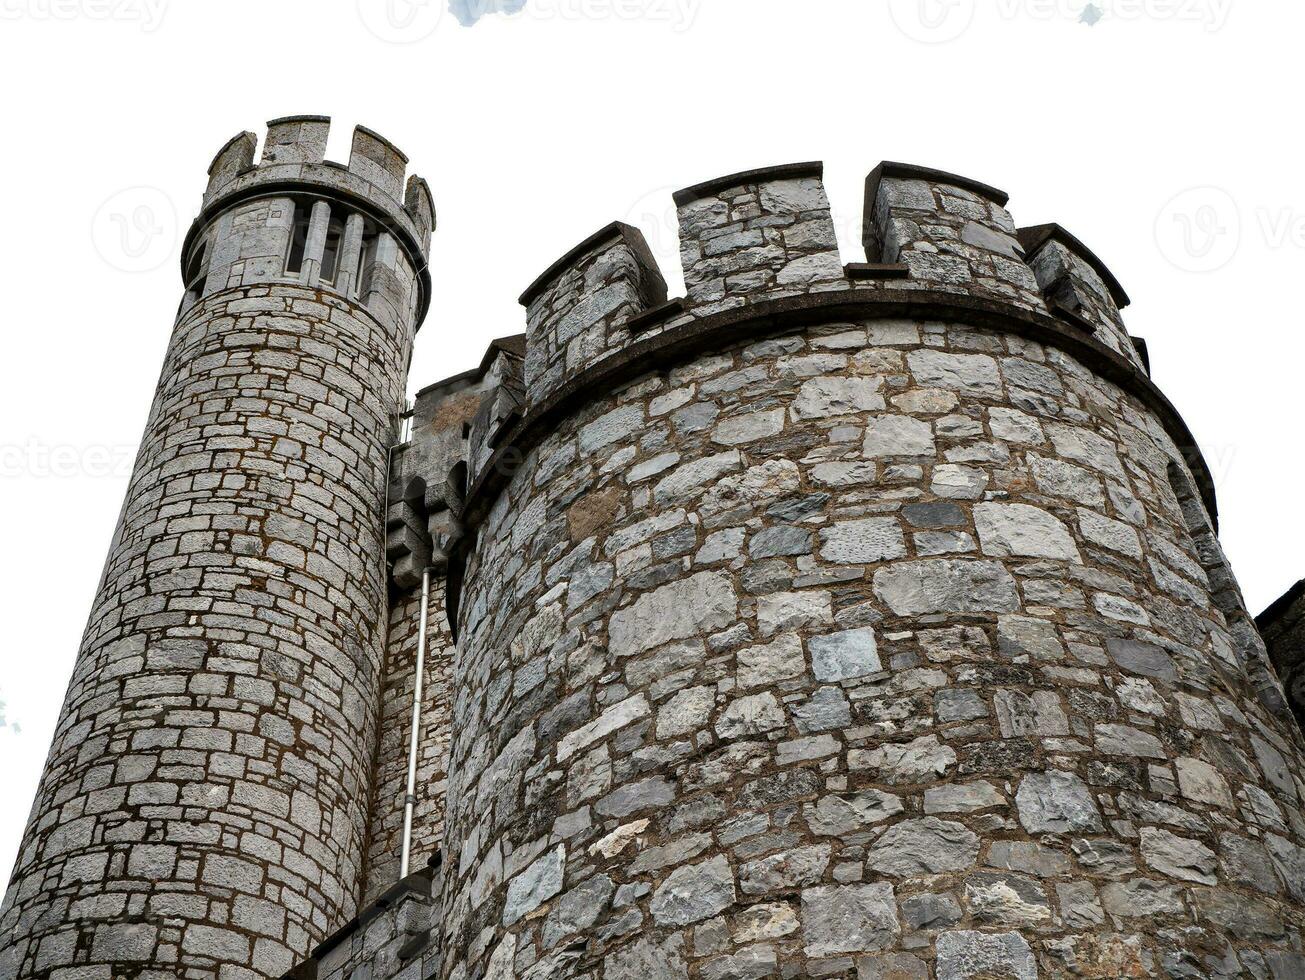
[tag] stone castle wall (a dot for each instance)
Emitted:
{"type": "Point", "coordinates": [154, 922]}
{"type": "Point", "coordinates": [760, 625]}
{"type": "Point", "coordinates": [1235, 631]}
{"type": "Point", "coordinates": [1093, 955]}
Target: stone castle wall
{"type": "Point", "coordinates": [880, 645]}
{"type": "Point", "coordinates": [831, 620]}
{"type": "Point", "coordinates": [385, 834]}
{"type": "Point", "coordinates": [860, 621]}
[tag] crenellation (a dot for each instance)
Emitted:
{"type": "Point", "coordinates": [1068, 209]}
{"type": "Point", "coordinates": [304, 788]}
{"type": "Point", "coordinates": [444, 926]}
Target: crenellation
{"type": "Point", "coordinates": [954, 234]}
{"type": "Point", "coordinates": [296, 139]}
{"type": "Point", "coordinates": [1076, 282]}
{"type": "Point", "coordinates": [420, 205]}
{"type": "Point", "coordinates": [761, 234]}
{"type": "Point", "coordinates": [578, 311]}
{"type": "Point", "coordinates": [379, 162]}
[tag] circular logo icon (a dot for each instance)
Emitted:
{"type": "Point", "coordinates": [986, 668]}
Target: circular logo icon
{"type": "Point", "coordinates": [1200, 229]}
{"type": "Point", "coordinates": [656, 216]}
{"type": "Point", "coordinates": [401, 21]}
{"type": "Point", "coordinates": [136, 229]}
{"type": "Point", "coordinates": [932, 21]}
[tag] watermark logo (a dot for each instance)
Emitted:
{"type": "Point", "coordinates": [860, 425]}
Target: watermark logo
{"type": "Point", "coordinates": [148, 14]}
{"type": "Point", "coordinates": [1200, 229]}
{"type": "Point", "coordinates": [135, 230]}
{"type": "Point", "coordinates": [656, 216]}
{"type": "Point", "coordinates": [401, 21]}
{"type": "Point", "coordinates": [37, 460]}
{"type": "Point", "coordinates": [932, 21]}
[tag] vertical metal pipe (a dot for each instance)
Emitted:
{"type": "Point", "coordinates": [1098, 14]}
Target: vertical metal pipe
{"type": "Point", "coordinates": [410, 800]}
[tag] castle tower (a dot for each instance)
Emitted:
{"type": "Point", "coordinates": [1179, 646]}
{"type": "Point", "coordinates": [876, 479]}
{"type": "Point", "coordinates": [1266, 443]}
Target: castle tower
{"type": "Point", "coordinates": [204, 809]}
{"type": "Point", "coordinates": [841, 621]}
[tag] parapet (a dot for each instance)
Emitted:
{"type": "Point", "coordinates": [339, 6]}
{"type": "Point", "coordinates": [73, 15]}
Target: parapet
{"type": "Point", "coordinates": [756, 245]}
{"type": "Point", "coordinates": [581, 308]}
{"type": "Point", "coordinates": [766, 235]}
{"type": "Point", "coordinates": [362, 230]}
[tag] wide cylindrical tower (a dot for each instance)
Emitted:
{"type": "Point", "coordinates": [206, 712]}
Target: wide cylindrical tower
{"type": "Point", "coordinates": [854, 621]}
{"type": "Point", "coordinates": [203, 810]}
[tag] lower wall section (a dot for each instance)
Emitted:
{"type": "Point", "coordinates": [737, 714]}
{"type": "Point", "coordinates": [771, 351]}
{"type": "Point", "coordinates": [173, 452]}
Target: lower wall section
{"type": "Point", "coordinates": [386, 835]}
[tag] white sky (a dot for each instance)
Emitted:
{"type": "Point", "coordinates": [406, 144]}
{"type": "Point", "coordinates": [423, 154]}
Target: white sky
{"type": "Point", "coordinates": [535, 129]}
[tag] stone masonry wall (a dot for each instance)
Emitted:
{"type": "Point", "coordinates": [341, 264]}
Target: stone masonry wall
{"type": "Point", "coordinates": [881, 648]}
{"type": "Point", "coordinates": [385, 837]}
{"type": "Point", "coordinates": [203, 811]}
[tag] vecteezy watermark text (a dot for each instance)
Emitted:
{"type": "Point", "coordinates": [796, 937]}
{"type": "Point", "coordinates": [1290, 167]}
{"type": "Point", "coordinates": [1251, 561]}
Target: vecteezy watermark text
{"type": "Point", "coordinates": [37, 460]}
{"type": "Point", "coordinates": [147, 13]}
{"type": "Point", "coordinates": [411, 21]}
{"type": "Point", "coordinates": [941, 21]}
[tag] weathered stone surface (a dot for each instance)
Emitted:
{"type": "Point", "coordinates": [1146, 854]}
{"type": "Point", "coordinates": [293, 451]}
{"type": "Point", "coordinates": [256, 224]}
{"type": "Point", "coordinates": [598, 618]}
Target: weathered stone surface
{"type": "Point", "coordinates": [800, 867]}
{"type": "Point", "coordinates": [1179, 857]}
{"type": "Point", "coordinates": [1056, 802]}
{"type": "Point", "coordinates": [693, 893]}
{"type": "Point", "coordinates": [673, 612]}
{"type": "Point", "coordinates": [848, 919]}
{"type": "Point", "coordinates": [780, 660]}
{"type": "Point", "coordinates": [1014, 530]}
{"type": "Point", "coordinates": [919, 588]}
{"type": "Point", "coordinates": [967, 955]}
{"type": "Point", "coordinates": [863, 542]}
{"type": "Point", "coordinates": [841, 816]}
{"type": "Point", "coordinates": [822, 398]}
{"type": "Point", "coordinates": [923, 760]}
{"type": "Point", "coordinates": [922, 847]}
{"type": "Point", "coordinates": [534, 886]}
{"type": "Point", "coordinates": [844, 656]}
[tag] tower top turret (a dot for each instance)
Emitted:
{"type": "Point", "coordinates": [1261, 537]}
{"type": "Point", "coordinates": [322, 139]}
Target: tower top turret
{"type": "Point", "coordinates": [392, 213]}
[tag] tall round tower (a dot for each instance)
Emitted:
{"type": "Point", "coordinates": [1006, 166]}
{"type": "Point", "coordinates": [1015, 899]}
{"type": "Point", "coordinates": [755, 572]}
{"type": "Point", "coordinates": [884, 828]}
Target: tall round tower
{"type": "Point", "coordinates": [203, 810]}
{"type": "Point", "coordinates": [860, 620]}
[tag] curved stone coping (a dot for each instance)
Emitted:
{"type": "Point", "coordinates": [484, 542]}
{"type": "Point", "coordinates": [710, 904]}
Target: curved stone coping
{"type": "Point", "coordinates": [616, 230]}
{"type": "Point", "coordinates": [910, 171]}
{"type": "Point", "coordinates": [1033, 239]}
{"type": "Point", "coordinates": [784, 171]}
{"type": "Point", "coordinates": [776, 316]}
{"type": "Point", "coordinates": [322, 180]}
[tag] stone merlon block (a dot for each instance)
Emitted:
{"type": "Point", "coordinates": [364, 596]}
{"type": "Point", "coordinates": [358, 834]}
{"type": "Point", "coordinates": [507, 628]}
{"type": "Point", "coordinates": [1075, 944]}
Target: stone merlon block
{"type": "Point", "coordinates": [1079, 287]}
{"type": "Point", "coordinates": [296, 139]}
{"type": "Point", "coordinates": [577, 311]}
{"type": "Point", "coordinates": [953, 233]}
{"type": "Point", "coordinates": [762, 232]}
{"type": "Point", "coordinates": [233, 159]}
{"type": "Point", "coordinates": [378, 161]}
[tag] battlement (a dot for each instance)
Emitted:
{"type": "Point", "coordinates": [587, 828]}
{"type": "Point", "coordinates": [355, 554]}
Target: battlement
{"type": "Point", "coordinates": [294, 149]}
{"type": "Point", "coordinates": [765, 235]}
{"type": "Point", "coordinates": [767, 238]}
{"type": "Point", "coordinates": [360, 230]}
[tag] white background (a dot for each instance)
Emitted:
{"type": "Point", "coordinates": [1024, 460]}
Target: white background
{"type": "Point", "coordinates": [535, 129]}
